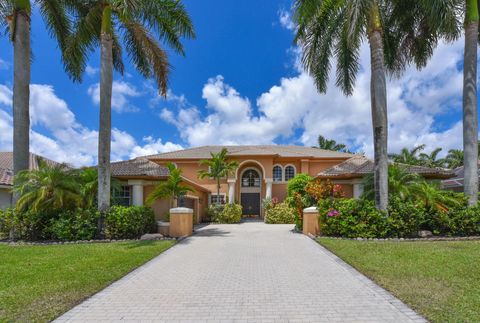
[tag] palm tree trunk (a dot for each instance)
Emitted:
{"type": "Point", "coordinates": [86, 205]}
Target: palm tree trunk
{"type": "Point", "coordinates": [378, 90]}
{"type": "Point", "coordinates": [218, 191]}
{"type": "Point", "coordinates": [105, 131]}
{"type": "Point", "coordinates": [470, 114]}
{"type": "Point", "coordinates": [21, 92]}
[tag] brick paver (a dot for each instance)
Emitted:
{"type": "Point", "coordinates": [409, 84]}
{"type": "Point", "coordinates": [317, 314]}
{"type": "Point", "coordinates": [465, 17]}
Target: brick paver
{"type": "Point", "coordinates": [250, 272]}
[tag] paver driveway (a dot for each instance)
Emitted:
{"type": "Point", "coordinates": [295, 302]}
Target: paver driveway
{"type": "Point", "coordinates": [245, 272]}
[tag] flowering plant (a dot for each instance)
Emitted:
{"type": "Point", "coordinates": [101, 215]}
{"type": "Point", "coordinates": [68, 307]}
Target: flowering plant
{"type": "Point", "coordinates": [333, 212]}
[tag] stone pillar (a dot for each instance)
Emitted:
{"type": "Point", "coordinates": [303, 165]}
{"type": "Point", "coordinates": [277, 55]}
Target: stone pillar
{"type": "Point", "coordinates": [268, 193]}
{"type": "Point", "coordinates": [357, 190]}
{"type": "Point", "coordinates": [310, 221]}
{"type": "Point", "coordinates": [181, 222]}
{"type": "Point", "coordinates": [231, 191]}
{"type": "Point", "coordinates": [137, 192]}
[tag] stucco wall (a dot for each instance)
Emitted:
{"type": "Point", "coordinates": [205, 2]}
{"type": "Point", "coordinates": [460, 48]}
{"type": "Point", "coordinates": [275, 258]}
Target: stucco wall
{"type": "Point", "coordinates": [5, 198]}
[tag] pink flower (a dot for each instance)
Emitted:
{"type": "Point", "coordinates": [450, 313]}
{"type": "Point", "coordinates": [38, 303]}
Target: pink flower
{"type": "Point", "coordinates": [332, 213]}
{"type": "Point", "coordinates": [337, 188]}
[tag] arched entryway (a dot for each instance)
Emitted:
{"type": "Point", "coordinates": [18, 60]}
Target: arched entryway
{"type": "Point", "coordinates": [250, 191]}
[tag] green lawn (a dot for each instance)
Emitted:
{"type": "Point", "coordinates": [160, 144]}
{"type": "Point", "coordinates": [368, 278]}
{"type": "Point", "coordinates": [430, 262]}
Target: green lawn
{"type": "Point", "coordinates": [38, 283]}
{"type": "Point", "coordinates": [441, 279]}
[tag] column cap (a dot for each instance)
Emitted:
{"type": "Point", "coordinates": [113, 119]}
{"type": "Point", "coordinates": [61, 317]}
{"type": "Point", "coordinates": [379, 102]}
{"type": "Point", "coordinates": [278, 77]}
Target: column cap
{"type": "Point", "coordinates": [268, 180]}
{"type": "Point", "coordinates": [231, 180]}
{"type": "Point", "coordinates": [312, 209]}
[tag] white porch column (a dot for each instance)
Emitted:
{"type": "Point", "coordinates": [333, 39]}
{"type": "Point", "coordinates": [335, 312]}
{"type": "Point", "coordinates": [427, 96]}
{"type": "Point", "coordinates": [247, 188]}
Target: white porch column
{"type": "Point", "coordinates": [137, 192]}
{"type": "Point", "coordinates": [231, 191]}
{"type": "Point", "coordinates": [268, 193]}
{"type": "Point", "coordinates": [357, 190]}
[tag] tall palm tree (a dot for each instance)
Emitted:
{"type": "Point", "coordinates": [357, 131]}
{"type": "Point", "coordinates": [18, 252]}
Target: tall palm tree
{"type": "Point", "coordinates": [16, 14]}
{"type": "Point", "coordinates": [408, 156]}
{"type": "Point", "coordinates": [49, 188]}
{"type": "Point", "coordinates": [100, 22]}
{"type": "Point", "coordinates": [470, 113]}
{"type": "Point", "coordinates": [432, 160]}
{"type": "Point", "coordinates": [330, 144]}
{"type": "Point", "coordinates": [397, 35]}
{"type": "Point", "coordinates": [172, 187]}
{"type": "Point", "coordinates": [218, 167]}
{"type": "Point", "coordinates": [454, 158]}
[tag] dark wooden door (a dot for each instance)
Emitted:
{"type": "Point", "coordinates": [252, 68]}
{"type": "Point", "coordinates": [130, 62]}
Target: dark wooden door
{"type": "Point", "coordinates": [250, 203]}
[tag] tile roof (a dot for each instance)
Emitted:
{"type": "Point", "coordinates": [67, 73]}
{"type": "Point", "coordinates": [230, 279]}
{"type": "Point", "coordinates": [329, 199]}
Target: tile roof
{"type": "Point", "coordinates": [359, 165]}
{"type": "Point", "coordinates": [457, 180]}
{"type": "Point", "coordinates": [260, 150]}
{"type": "Point", "coordinates": [6, 165]}
{"type": "Point", "coordinates": [138, 167]}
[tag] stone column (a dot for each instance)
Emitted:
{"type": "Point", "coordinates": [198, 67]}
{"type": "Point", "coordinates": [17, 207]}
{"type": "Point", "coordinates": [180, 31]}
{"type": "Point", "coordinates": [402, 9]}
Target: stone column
{"type": "Point", "coordinates": [310, 221]}
{"type": "Point", "coordinates": [357, 190]}
{"type": "Point", "coordinates": [137, 192]}
{"type": "Point", "coordinates": [231, 191]}
{"type": "Point", "coordinates": [268, 193]}
{"type": "Point", "coordinates": [181, 222]}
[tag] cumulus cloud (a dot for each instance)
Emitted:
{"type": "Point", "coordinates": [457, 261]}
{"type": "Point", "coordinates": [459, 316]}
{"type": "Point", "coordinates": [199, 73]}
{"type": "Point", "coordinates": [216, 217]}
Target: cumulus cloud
{"type": "Point", "coordinates": [294, 106]}
{"type": "Point", "coordinates": [122, 92]}
{"type": "Point", "coordinates": [63, 138]}
{"type": "Point", "coordinates": [91, 71]}
{"type": "Point", "coordinates": [285, 19]}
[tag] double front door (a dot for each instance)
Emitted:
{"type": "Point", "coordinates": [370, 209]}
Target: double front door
{"type": "Point", "coordinates": [250, 204]}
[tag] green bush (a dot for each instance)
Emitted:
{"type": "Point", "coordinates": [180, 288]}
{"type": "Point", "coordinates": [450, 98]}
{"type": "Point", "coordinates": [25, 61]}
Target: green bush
{"type": "Point", "coordinates": [74, 225]}
{"type": "Point", "coordinates": [281, 213]}
{"type": "Point", "coordinates": [130, 222]}
{"type": "Point", "coordinates": [226, 213]}
{"type": "Point", "coordinates": [405, 218]}
{"type": "Point", "coordinates": [27, 225]}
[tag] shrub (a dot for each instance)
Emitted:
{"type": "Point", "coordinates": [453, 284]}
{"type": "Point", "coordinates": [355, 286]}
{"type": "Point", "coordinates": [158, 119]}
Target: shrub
{"type": "Point", "coordinates": [28, 225]}
{"type": "Point", "coordinates": [281, 213]}
{"type": "Point", "coordinates": [226, 213]}
{"type": "Point", "coordinates": [74, 225]}
{"type": "Point", "coordinates": [131, 222]}
{"type": "Point", "coordinates": [405, 218]}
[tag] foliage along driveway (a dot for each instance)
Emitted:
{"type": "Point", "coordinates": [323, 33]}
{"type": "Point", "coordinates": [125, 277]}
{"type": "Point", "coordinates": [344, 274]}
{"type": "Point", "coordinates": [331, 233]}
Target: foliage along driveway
{"type": "Point", "coordinates": [249, 271]}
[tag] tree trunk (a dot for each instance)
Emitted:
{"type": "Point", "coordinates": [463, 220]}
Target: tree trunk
{"type": "Point", "coordinates": [470, 114]}
{"type": "Point", "coordinates": [218, 191]}
{"type": "Point", "coordinates": [105, 131]}
{"type": "Point", "coordinates": [378, 90]}
{"type": "Point", "coordinates": [21, 92]}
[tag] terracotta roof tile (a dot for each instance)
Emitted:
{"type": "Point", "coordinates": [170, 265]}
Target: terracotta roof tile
{"type": "Point", "coordinates": [359, 165]}
{"type": "Point", "coordinates": [259, 150]}
{"type": "Point", "coordinates": [138, 167]}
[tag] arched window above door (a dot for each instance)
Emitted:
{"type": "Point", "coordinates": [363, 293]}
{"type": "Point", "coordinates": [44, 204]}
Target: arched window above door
{"type": "Point", "coordinates": [250, 178]}
{"type": "Point", "coordinates": [277, 173]}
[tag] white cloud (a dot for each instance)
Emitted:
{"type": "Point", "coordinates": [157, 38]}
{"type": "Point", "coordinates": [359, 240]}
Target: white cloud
{"type": "Point", "coordinates": [63, 138]}
{"type": "Point", "coordinates": [91, 71]}
{"type": "Point", "coordinates": [286, 19]}
{"type": "Point", "coordinates": [122, 92]}
{"type": "Point", "coordinates": [415, 103]}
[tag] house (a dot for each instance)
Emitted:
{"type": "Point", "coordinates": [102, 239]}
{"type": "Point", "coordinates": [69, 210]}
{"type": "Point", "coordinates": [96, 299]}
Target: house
{"type": "Point", "coordinates": [6, 175]}
{"type": "Point", "coordinates": [263, 172]}
{"type": "Point", "coordinates": [456, 182]}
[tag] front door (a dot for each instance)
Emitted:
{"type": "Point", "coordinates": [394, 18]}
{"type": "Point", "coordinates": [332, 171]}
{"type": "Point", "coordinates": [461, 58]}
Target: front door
{"type": "Point", "coordinates": [250, 204]}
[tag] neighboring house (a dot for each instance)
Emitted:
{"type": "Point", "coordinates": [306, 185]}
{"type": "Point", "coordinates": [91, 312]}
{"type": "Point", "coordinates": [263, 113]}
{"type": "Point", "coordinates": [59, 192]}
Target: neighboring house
{"type": "Point", "coordinates": [456, 183]}
{"type": "Point", "coordinates": [263, 172]}
{"type": "Point", "coordinates": [6, 175]}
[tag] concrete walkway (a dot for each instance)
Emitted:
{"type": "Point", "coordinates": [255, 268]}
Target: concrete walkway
{"type": "Point", "coordinates": [247, 272]}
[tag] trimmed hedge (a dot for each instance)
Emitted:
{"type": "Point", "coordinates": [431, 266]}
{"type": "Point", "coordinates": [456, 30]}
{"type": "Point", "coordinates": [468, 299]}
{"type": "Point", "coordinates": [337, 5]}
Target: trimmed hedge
{"type": "Point", "coordinates": [130, 222]}
{"type": "Point", "coordinates": [281, 213]}
{"type": "Point", "coordinates": [225, 213]}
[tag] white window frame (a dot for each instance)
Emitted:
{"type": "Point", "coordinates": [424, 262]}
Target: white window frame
{"type": "Point", "coordinates": [210, 202]}
{"type": "Point", "coordinates": [285, 172]}
{"type": "Point", "coordinates": [282, 177]}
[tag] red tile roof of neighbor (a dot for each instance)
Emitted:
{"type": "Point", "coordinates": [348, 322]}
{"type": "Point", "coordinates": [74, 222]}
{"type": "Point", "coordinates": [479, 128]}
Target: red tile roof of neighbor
{"type": "Point", "coordinates": [141, 167]}
{"type": "Point", "coordinates": [359, 165]}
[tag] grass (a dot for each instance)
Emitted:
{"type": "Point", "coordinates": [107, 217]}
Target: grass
{"type": "Point", "coordinates": [439, 279]}
{"type": "Point", "coordinates": [38, 283]}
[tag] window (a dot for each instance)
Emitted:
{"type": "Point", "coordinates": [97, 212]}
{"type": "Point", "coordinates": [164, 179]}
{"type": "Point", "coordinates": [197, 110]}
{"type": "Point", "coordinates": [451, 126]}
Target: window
{"type": "Point", "coordinates": [289, 173]}
{"type": "Point", "coordinates": [215, 199]}
{"type": "Point", "coordinates": [122, 195]}
{"type": "Point", "coordinates": [250, 179]}
{"type": "Point", "coordinates": [277, 174]}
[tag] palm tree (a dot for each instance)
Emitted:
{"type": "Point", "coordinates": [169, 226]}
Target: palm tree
{"type": "Point", "coordinates": [400, 181]}
{"type": "Point", "coordinates": [330, 144]}
{"type": "Point", "coordinates": [470, 114]}
{"type": "Point", "coordinates": [100, 22]}
{"type": "Point", "coordinates": [172, 187]}
{"type": "Point", "coordinates": [397, 35]}
{"type": "Point", "coordinates": [49, 188]}
{"type": "Point", "coordinates": [433, 197]}
{"type": "Point", "coordinates": [218, 167]}
{"type": "Point", "coordinates": [16, 14]}
{"type": "Point", "coordinates": [406, 156]}
{"type": "Point", "coordinates": [430, 160]}
{"type": "Point", "coordinates": [88, 180]}
{"type": "Point", "coordinates": [454, 158]}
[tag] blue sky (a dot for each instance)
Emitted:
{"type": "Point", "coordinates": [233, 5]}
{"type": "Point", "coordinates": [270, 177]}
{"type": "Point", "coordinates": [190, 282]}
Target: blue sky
{"type": "Point", "coordinates": [240, 83]}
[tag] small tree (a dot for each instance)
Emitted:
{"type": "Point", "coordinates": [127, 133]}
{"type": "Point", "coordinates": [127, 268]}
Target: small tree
{"type": "Point", "coordinates": [218, 167]}
{"type": "Point", "coordinates": [172, 187]}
